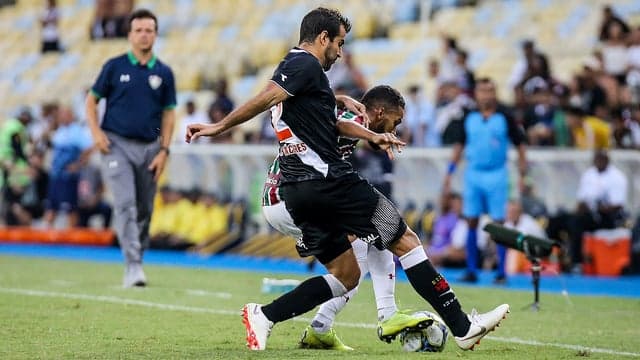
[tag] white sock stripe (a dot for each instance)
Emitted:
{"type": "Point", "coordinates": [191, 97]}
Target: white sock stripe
{"type": "Point", "coordinates": [337, 288]}
{"type": "Point", "coordinates": [413, 257]}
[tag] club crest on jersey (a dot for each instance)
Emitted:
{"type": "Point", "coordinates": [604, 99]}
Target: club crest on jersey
{"type": "Point", "coordinates": [291, 149]}
{"type": "Point", "coordinates": [155, 81]}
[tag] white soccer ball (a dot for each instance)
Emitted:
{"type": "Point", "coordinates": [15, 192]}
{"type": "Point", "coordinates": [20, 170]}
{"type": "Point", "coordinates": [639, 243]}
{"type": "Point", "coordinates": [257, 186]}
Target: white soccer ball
{"type": "Point", "coordinates": [432, 338]}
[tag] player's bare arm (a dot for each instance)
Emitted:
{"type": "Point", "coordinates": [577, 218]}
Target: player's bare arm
{"type": "Point", "coordinates": [353, 105]}
{"type": "Point", "coordinates": [270, 96]}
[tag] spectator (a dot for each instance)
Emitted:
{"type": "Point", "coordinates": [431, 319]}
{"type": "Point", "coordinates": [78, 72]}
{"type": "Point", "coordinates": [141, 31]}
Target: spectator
{"type": "Point", "coordinates": [609, 18]}
{"type": "Point", "coordinates": [601, 195]}
{"type": "Point", "coordinates": [452, 107]}
{"type": "Point", "coordinates": [586, 91]}
{"type": "Point", "coordinates": [192, 116]}
{"type": "Point", "coordinates": [443, 250]}
{"type": "Point", "coordinates": [418, 127]}
{"type": "Point", "coordinates": [91, 197]}
{"type": "Point", "coordinates": [50, 33]}
{"type": "Point", "coordinates": [71, 146]}
{"type": "Point", "coordinates": [26, 200]}
{"type": "Point", "coordinates": [615, 60]}
{"type": "Point", "coordinates": [39, 127]}
{"type": "Point", "coordinates": [346, 74]}
{"type": "Point", "coordinates": [587, 132]}
{"type": "Point", "coordinates": [110, 20]}
{"type": "Point", "coordinates": [220, 107]}
{"type": "Point", "coordinates": [530, 203]}
{"type": "Point", "coordinates": [543, 121]}
{"type": "Point", "coordinates": [450, 69]}
{"type": "Point", "coordinates": [626, 128]}
{"type": "Point", "coordinates": [530, 61]}
{"type": "Point", "coordinates": [467, 80]}
{"type": "Point", "coordinates": [214, 225]}
{"type": "Point", "coordinates": [13, 150]}
{"type": "Point", "coordinates": [633, 71]}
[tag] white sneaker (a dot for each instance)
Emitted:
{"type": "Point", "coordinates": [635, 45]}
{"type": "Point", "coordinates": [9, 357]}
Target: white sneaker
{"type": "Point", "coordinates": [257, 325]}
{"type": "Point", "coordinates": [134, 276]}
{"type": "Point", "coordinates": [481, 325]}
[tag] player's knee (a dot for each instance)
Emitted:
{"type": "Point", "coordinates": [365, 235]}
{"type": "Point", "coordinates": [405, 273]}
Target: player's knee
{"type": "Point", "coordinates": [407, 242]}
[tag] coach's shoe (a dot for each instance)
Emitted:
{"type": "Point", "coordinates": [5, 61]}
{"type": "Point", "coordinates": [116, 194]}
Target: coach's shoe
{"type": "Point", "coordinates": [481, 325]}
{"type": "Point", "coordinates": [134, 276]}
{"type": "Point", "coordinates": [257, 325]}
{"type": "Point", "coordinates": [390, 328]}
{"type": "Point", "coordinates": [311, 339]}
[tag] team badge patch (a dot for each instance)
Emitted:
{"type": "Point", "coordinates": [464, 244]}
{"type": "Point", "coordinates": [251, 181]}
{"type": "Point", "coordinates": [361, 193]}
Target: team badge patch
{"type": "Point", "coordinates": [155, 81]}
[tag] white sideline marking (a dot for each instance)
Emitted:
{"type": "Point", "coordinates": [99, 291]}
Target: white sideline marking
{"type": "Point", "coordinates": [125, 301]}
{"type": "Point", "coordinates": [198, 292]}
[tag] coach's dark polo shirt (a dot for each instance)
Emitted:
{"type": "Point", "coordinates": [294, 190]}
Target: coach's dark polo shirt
{"type": "Point", "coordinates": [136, 96]}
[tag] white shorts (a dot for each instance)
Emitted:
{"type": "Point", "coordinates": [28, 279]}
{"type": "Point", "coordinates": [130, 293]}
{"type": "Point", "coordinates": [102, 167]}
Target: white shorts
{"type": "Point", "coordinates": [278, 217]}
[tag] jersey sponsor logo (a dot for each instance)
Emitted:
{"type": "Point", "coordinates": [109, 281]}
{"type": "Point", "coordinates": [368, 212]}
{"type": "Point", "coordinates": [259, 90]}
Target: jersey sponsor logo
{"type": "Point", "coordinates": [155, 81]}
{"type": "Point", "coordinates": [125, 78]}
{"type": "Point", "coordinates": [300, 244]}
{"type": "Point", "coordinates": [292, 149]}
{"type": "Point", "coordinates": [370, 239]}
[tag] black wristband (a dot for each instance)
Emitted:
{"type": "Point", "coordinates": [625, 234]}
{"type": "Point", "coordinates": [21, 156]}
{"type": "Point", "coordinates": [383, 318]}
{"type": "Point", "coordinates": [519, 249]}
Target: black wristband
{"type": "Point", "coordinates": [165, 149]}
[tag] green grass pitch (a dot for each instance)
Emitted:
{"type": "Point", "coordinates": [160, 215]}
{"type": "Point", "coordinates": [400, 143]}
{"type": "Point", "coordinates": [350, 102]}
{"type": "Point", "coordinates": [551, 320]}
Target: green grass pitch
{"type": "Point", "coordinates": [52, 309]}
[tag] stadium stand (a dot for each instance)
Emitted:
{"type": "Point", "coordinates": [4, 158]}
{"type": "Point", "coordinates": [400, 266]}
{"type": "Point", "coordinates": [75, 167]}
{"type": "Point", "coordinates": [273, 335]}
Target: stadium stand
{"type": "Point", "coordinates": [242, 41]}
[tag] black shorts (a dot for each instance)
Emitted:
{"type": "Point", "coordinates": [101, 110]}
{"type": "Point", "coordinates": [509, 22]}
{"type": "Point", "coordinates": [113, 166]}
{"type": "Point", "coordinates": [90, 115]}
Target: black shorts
{"type": "Point", "coordinates": [328, 210]}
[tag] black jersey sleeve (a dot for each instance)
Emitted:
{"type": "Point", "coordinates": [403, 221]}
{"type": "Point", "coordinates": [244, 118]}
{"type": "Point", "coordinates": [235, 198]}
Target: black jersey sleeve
{"type": "Point", "coordinates": [297, 73]}
{"type": "Point", "coordinates": [516, 132]}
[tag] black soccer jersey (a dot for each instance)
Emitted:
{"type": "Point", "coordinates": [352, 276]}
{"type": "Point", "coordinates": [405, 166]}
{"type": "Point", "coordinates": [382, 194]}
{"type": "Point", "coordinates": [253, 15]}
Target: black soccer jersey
{"type": "Point", "coordinates": [305, 123]}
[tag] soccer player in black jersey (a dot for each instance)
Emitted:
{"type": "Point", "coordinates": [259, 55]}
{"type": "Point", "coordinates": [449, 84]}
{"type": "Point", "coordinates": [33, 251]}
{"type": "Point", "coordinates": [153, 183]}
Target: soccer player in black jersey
{"type": "Point", "coordinates": [326, 198]}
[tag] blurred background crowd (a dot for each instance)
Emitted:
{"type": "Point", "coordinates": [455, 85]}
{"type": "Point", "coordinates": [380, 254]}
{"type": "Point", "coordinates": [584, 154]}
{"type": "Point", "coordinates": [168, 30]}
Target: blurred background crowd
{"type": "Point", "coordinates": [568, 71]}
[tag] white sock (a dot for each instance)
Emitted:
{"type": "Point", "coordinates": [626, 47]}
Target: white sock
{"type": "Point", "coordinates": [323, 321]}
{"type": "Point", "coordinates": [327, 312]}
{"type": "Point", "coordinates": [383, 275]}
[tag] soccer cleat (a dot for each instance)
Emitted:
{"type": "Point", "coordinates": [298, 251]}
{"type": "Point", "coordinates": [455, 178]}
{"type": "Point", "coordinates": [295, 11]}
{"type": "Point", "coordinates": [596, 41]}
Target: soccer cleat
{"type": "Point", "coordinates": [311, 339]}
{"type": "Point", "coordinates": [392, 327]}
{"type": "Point", "coordinates": [134, 276]}
{"type": "Point", "coordinates": [481, 325]}
{"type": "Point", "coordinates": [257, 325]}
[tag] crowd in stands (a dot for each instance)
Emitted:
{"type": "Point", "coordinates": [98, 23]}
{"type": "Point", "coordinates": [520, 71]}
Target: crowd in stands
{"type": "Point", "coordinates": [47, 169]}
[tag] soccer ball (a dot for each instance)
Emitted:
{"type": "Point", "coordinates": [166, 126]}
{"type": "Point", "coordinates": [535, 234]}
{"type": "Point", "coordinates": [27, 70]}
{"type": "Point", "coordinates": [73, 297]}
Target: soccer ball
{"type": "Point", "coordinates": [431, 339]}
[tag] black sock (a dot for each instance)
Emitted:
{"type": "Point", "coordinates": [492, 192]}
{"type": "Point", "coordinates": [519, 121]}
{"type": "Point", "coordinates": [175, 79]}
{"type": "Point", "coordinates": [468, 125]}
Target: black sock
{"type": "Point", "coordinates": [433, 287]}
{"type": "Point", "coordinates": [309, 294]}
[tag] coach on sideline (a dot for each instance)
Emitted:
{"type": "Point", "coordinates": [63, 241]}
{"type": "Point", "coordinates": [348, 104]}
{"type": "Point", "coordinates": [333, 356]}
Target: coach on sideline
{"type": "Point", "coordinates": [134, 135]}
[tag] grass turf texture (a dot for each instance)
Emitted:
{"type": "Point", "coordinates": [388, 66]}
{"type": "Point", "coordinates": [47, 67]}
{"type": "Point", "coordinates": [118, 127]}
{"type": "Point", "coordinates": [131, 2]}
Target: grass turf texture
{"type": "Point", "coordinates": [72, 309]}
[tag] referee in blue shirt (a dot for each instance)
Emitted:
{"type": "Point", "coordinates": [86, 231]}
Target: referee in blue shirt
{"type": "Point", "coordinates": [485, 133]}
{"type": "Point", "coordinates": [134, 135]}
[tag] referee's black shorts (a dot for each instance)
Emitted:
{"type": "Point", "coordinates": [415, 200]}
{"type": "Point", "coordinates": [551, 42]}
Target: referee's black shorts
{"type": "Point", "coordinates": [328, 210]}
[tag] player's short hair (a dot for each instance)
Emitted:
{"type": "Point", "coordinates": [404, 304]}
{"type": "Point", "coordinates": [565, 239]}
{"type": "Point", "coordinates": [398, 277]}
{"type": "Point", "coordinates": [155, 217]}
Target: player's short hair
{"type": "Point", "coordinates": [143, 14]}
{"type": "Point", "coordinates": [321, 19]}
{"type": "Point", "coordinates": [383, 95]}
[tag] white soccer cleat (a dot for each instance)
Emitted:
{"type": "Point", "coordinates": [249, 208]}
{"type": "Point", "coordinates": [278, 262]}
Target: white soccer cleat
{"type": "Point", "coordinates": [257, 325]}
{"type": "Point", "coordinates": [134, 276]}
{"type": "Point", "coordinates": [481, 325]}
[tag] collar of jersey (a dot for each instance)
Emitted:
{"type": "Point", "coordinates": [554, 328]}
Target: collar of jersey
{"type": "Point", "coordinates": [135, 61]}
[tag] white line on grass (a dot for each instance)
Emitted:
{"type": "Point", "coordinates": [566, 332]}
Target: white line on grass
{"type": "Point", "coordinates": [171, 307]}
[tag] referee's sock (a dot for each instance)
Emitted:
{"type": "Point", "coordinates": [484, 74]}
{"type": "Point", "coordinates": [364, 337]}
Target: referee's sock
{"type": "Point", "coordinates": [309, 294]}
{"type": "Point", "coordinates": [433, 287]}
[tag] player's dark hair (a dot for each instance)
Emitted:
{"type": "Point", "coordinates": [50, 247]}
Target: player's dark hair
{"type": "Point", "coordinates": [383, 95]}
{"type": "Point", "coordinates": [322, 19]}
{"type": "Point", "coordinates": [143, 14]}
